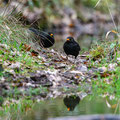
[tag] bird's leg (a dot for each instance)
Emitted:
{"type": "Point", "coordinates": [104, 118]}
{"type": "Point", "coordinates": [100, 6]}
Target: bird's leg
{"type": "Point", "coordinates": [59, 55]}
{"type": "Point", "coordinates": [75, 60]}
{"type": "Point", "coordinates": [67, 57]}
{"type": "Point", "coordinates": [72, 58]}
{"type": "Point", "coordinates": [47, 50]}
{"type": "Point", "coordinates": [43, 50]}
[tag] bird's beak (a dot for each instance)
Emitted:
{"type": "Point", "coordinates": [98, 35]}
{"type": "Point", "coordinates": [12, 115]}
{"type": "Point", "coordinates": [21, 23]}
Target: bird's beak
{"type": "Point", "coordinates": [68, 109]}
{"type": "Point", "coordinates": [51, 34]}
{"type": "Point", "coordinates": [68, 39]}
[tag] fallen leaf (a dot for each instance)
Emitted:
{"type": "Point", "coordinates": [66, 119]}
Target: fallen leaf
{"type": "Point", "coordinates": [27, 47]}
{"type": "Point", "coordinates": [34, 53]}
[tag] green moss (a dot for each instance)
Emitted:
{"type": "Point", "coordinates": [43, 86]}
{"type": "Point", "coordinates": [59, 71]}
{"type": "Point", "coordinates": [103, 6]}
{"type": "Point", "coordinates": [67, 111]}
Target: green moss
{"type": "Point", "coordinates": [97, 52]}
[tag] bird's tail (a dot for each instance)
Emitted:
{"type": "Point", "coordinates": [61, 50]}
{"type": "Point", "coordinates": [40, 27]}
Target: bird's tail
{"type": "Point", "coordinates": [37, 32]}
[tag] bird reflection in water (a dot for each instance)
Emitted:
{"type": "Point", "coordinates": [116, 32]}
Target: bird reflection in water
{"type": "Point", "coordinates": [71, 102]}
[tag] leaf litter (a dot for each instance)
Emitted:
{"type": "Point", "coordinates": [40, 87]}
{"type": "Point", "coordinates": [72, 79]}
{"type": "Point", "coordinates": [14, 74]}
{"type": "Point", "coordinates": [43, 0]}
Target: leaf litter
{"type": "Point", "coordinates": [49, 72]}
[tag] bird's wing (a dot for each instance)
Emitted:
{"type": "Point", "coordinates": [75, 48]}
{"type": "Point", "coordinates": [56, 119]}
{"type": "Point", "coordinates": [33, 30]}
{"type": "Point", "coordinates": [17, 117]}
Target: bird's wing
{"type": "Point", "coordinates": [43, 35]}
{"type": "Point", "coordinates": [77, 46]}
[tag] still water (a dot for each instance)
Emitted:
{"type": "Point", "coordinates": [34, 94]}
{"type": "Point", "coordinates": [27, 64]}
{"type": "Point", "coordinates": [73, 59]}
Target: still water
{"type": "Point", "coordinates": [72, 106]}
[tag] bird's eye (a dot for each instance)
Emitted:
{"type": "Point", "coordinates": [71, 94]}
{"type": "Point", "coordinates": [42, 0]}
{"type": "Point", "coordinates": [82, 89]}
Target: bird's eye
{"type": "Point", "coordinates": [68, 39]}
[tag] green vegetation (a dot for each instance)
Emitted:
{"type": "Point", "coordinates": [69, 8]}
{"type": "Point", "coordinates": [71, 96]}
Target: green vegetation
{"type": "Point", "coordinates": [98, 52]}
{"type": "Point", "coordinates": [107, 82]}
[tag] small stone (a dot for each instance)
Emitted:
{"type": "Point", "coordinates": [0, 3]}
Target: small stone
{"type": "Point", "coordinates": [42, 80]}
{"type": "Point", "coordinates": [60, 66]}
{"type": "Point", "coordinates": [30, 85]}
{"type": "Point", "coordinates": [82, 68]}
{"type": "Point", "coordinates": [6, 63]}
{"type": "Point", "coordinates": [2, 79]}
{"type": "Point", "coordinates": [12, 72]}
{"type": "Point", "coordinates": [15, 65]}
{"type": "Point", "coordinates": [4, 46]}
{"type": "Point", "coordinates": [118, 59]}
{"type": "Point", "coordinates": [112, 66]}
{"type": "Point", "coordinates": [102, 69]}
{"type": "Point", "coordinates": [76, 72]}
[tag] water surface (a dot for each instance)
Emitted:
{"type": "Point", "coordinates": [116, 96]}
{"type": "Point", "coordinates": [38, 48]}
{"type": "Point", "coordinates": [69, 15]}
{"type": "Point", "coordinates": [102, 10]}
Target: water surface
{"type": "Point", "coordinates": [53, 108]}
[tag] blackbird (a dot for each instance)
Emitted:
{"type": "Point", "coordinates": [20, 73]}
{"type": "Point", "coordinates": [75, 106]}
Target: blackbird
{"type": "Point", "coordinates": [71, 102]}
{"type": "Point", "coordinates": [71, 47]}
{"type": "Point", "coordinates": [46, 39]}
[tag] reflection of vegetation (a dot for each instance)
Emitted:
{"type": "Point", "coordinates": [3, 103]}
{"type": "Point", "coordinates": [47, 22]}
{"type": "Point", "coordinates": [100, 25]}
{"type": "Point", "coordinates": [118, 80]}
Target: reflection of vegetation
{"type": "Point", "coordinates": [15, 110]}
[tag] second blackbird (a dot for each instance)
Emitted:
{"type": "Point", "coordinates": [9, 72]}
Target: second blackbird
{"type": "Point", "coordinates": [46, 39]}
{"type": "Point", "coordinates": [71, 47]}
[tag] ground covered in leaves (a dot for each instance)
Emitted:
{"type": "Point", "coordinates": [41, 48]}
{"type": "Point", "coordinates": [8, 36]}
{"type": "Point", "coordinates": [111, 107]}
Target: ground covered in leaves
{"type": "Point", "coordinates": [40, 74]}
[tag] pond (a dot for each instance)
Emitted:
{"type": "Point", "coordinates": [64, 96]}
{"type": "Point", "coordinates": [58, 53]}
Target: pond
{"type": "Point", "coordinates": [71, 106]}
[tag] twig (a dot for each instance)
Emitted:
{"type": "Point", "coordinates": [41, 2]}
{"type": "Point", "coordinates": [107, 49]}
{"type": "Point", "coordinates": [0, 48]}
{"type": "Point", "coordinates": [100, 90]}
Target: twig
{"type": "Point", "coordinates": [97, 3]}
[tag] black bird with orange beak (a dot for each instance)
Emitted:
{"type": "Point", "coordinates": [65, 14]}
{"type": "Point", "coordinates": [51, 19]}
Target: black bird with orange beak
{"type": "Point", "coordinates": [71, 47]}
{"type": "Point", "coordinates": [71, 102]}
{"type": "Point", "coordinates": [45, 39]}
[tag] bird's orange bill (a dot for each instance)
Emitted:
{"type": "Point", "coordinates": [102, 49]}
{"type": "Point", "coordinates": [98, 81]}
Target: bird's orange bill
{"type": "Point", "coordinates": [68, 39]}
{"type": "Point", "coordinates": [68, 109]}
{"type": "Point", "coordinates": [51, 34]}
